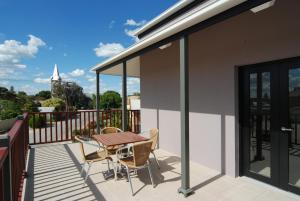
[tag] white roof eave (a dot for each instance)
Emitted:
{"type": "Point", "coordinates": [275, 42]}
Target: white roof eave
{"type": "Point", "coordinates": [167, 13]}
{"type": "Point", "coordinates": [210, 8]}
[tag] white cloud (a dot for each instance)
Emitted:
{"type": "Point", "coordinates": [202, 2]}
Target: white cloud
{"type": "Point", "coordinates": [38, 74]}
{"type": "Point", "coordinates": [64, 76]}
{"type": "Point", "coordinates": [77, 72]}
{"type": "Point", "coordinates": [91, 78]}
{"type": "Point", "coordinates": [133, 85]}
{"type": "Point", "coordinates": [42, 80]}
{"type": "Point", "coordinates": [4, 83]}
{"type": "Point", "coordinates": [12, 52]}
{"type": "Point", "coordinates": [132, 22]}
{"type": "Point", "coordinates": [108, 49]}
{"type": "Point", "coordinates": [111, 24]}
{"type": "Point", "coordinates": [89, 89]}
{"type": "Point", "coordinates": [131, 33]}
{"type": "Point", "coordinates": [133, 81]}
{"type": "Point", "coordinates": [29, 89]}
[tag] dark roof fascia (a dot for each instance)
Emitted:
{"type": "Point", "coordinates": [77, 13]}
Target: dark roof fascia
{"type": "Point", "coordinates": [170, 18]}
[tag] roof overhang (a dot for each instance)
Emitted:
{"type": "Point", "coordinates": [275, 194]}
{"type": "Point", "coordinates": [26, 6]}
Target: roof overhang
{"type": "Point", "coordinates": [133, 68]}
{"type": "Point", "coordinates": [201, 13]}
{"type": "Point", "coordinates": [164, 15]}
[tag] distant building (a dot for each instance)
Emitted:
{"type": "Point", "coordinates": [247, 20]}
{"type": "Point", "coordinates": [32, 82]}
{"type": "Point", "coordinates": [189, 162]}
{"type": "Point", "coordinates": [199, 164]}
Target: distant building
{"type": "Point", "coordinates": [55, 79]}
{"type": "Point", "coordinates": [133, 102]}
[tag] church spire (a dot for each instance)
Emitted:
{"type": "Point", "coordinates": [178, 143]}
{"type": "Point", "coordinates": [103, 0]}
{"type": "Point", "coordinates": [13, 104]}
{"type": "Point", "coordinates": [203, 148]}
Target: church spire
{"type": "Point", "coordinates": [55, 76]}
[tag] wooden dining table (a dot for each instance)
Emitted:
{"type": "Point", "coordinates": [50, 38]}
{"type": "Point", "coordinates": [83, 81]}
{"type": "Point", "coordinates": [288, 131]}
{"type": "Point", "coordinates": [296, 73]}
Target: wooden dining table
{"type": "Point", "coordinates": [113, 139]}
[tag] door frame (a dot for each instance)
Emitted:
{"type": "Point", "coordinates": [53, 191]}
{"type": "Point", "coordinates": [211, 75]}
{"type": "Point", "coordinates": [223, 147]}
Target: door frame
{"type": "Point", "coordinates": [285, 66]}
{"type": "Point", "coordinates": [276, 69]}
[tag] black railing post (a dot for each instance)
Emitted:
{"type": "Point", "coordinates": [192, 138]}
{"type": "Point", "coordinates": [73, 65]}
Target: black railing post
{"type": "Point", "coordinates": [5, 142]}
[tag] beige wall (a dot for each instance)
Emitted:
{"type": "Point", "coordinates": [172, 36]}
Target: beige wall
{"type": "Point", "coordinates": [214, 52]}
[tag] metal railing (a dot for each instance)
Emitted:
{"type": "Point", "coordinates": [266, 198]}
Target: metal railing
{"type": "Point", "coordinates": [49, 127]}
{"type": "Point", "coordinates": [14, 163]}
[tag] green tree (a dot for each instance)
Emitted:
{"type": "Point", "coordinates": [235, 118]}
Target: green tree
{"type": "Point", "coordinates": [110, 99]}
{"type": "Point", "coordinates": [57, 103]}
{"type": "Point", "coordinates": [43, 95]}
{"type": "Point", "coordinates": [94, 101]}
{"type": "Point", "coordinates": [72, 94]}
{"type": "Point", "coordinates": [8, 109]}
{"type": "Point", "coordinates": [30, 106]}
{"type": "Point", "coordinates": [5, 94]}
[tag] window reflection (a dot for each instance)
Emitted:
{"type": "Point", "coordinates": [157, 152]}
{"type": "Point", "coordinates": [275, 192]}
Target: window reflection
{"type": "Point", "coordinates": [260, 107]}
{"type": "Point", "coordinates": [294, 119]}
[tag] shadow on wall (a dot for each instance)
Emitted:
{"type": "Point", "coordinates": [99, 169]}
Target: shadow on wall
{"type": "Point", "coordinates": [214, 53]}
{"type": "Point", "coordinates": [211, 101]}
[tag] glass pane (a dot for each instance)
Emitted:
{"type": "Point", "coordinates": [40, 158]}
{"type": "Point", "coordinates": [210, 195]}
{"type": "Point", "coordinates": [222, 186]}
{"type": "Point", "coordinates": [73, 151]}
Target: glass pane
{"type": "Point", "coordinates": [260, 107]}
{"type": "Point", "coordinates": [294, 141]}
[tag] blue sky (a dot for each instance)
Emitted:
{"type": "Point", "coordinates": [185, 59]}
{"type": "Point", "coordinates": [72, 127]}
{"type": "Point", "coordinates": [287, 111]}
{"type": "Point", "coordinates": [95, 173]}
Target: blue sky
{"type": "Point", "coordinates": [75, 35]}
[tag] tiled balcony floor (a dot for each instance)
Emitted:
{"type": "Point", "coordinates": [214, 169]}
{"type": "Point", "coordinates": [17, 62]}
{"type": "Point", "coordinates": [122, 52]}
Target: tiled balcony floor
{"type": "Point", "coordinates": [54, 174]}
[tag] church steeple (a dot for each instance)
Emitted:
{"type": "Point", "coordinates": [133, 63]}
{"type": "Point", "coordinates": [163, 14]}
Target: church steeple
{"type": "Point", "coordinates": [55, 80]}
{"type": "Point", "coordinates": [55, 76]}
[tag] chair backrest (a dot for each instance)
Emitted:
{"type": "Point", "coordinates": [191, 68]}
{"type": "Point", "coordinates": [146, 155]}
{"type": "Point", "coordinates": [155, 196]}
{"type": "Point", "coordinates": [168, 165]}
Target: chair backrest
{"type": "Point", "coordinates": [154, 137]}
{"type": "Point", "coordinates": [108, 130]}
{"type": "Point", "coordinates": [141, 152]}
{"type": "Point", "coordinates": [77, 139]}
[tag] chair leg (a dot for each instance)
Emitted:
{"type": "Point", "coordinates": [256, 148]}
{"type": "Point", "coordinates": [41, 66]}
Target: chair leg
{"type": "Point", "coordinates": [82, 168]}
{"type": "Point", "coordinates": [129, 179]}
{"type": "Point", "coordinates": [87, 173]}
{"type": "Point", "coordinates": [156, 160]}
{"type": "Point", "coordinates": [108, 167]}
{"type": "Point", "coordinates": [150, 174]}
{"type": "Point", "coordinates": [115, 171]}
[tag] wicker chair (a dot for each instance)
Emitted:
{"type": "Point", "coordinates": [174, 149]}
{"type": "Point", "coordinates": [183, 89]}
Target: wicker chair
{"type": "Point", "coordinates": [89, 159]}
{"type": "Point", "coordinates": [138, 160]}
{"type": "Point", "coordinates": [154, 139]}
{"type": "Point", "coordinates": [109, 130]}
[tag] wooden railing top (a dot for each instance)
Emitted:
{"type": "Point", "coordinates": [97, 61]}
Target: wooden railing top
{"type": "Point", "coordinates": [3, 155]}
{"type": "Point", "coordinates": [14, 131]}
{"type": "Point", "coordinates": [78, 111]}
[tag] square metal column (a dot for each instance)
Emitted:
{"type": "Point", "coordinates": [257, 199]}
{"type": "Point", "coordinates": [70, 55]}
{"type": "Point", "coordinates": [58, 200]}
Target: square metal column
{"type": "Point", "coordinates": [98, 101]}
{"type": "Point", "coordinates": [184, 117]}
{"type": "Point", "coordinates": [124, 97]}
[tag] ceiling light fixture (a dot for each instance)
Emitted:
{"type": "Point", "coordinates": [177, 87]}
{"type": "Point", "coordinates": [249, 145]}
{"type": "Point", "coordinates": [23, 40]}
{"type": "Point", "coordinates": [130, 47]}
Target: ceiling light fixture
{"type": "Point", "coordinates": [263, 6]}
{"type": "Point", "coordinates": [165, 46]}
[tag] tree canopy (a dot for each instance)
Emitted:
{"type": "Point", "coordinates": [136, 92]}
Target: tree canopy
{"type": "Point", "coordinates": [13, 104]}
{"type": "Point", "coordinates": [57, 103]}
{"type": "Point", "coordinates": [43, 95]}
{"type": "Point", "coordinates": [72, 94]}
{"type": "Point", "coordinates": [110, 99]}
{"type": "Point", "coordinates": [8, 109]}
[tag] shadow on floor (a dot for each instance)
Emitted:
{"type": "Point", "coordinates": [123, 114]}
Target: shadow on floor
{"type": "Point", "coordinates": [54, 174]}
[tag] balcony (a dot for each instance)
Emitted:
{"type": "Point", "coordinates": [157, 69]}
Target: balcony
{"type": "Point", "coordinates": [51, 171]}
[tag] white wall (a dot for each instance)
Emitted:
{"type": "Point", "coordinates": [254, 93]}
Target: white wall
{"type": "Point", "coordinates": [214, 53]}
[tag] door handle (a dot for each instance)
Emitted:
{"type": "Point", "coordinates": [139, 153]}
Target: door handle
{"type": "Point", "coordinates": [284, 129]}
